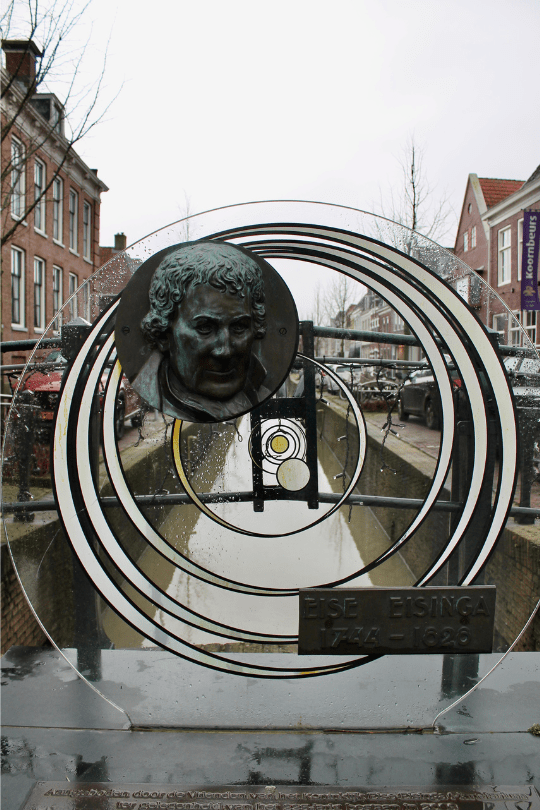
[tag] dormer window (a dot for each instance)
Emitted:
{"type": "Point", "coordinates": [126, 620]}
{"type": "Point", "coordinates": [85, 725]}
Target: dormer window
{"type": "Point", "coordinates": [57, 117]}
{"type": "Point", "coordinates": [51, 110]}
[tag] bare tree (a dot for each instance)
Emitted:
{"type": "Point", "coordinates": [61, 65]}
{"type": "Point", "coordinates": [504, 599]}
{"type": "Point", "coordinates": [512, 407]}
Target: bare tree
{"type": "Point", "coordinates": [318, 312]}
{"type": "Point", "coordinates": [187, 213]}
{"type": "Point", "coordinates": [48, 26]}
{"type": "Point", "coordinates": [340, 295]}
{"type": "Point", "coordinates": [415, 203]}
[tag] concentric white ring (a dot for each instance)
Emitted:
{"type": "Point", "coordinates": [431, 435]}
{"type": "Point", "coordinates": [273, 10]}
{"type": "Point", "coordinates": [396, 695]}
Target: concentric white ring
{"type": "Point", "coordinates": [358, 467]}
{"type": "Point", "coordinates": [431, 309]}
{"type": "Point", "coordinates": [66, 485]}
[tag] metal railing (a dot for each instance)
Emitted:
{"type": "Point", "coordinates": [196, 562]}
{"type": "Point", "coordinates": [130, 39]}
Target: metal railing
{"type": "Point", "coordinates": [179, 499]}
{"type": "Point", "coordinates": [27, 508]}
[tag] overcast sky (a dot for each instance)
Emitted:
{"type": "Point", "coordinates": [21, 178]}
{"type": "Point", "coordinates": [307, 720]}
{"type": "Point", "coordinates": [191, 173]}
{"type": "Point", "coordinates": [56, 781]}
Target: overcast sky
{"type": "Point", "coordinates": [227, 101]}
{"type": "Point", "coordinates": [235, 101]}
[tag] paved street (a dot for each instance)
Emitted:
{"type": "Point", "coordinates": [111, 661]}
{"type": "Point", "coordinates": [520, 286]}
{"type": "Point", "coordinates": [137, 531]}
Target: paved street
{"type": "Point", "coordinates": [414, 432]}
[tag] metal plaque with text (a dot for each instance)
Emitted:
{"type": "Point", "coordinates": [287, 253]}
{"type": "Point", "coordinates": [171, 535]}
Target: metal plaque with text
{"type": "Point", "coordinates": [129, 796]}
{"type": "Point", "coordinates": [345, 621]}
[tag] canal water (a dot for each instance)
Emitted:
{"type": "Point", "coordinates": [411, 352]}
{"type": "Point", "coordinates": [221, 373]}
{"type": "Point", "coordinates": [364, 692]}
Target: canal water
{"type": "Point", "coordinates": [331, 551]}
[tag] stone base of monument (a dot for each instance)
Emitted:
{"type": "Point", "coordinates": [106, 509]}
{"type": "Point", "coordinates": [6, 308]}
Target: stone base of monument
{"type": "Point", "coordinates": [228, 743]}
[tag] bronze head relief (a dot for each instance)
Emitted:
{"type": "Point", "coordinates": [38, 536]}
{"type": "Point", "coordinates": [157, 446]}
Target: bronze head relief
{"type": "Point", "coordinates": [206, 313]}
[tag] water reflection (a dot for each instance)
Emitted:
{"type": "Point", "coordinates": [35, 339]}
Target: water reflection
{"type": "Point", "coordinates": [330, 551]}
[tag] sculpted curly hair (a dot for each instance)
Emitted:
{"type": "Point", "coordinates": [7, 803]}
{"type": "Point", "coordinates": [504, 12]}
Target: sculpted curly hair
{"type": "Point", "coordinates": [222, 265]}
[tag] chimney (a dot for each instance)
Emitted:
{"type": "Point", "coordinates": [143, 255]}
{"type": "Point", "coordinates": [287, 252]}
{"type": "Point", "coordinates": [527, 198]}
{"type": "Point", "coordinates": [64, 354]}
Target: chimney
{"type": "Point", "coordinates": [21, 59]}
{"type": "Point", "coordinates": [120, 241]}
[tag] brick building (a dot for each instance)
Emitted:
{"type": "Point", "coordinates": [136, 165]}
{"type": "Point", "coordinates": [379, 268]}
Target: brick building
{"type": "Point", "coordinates": [55, 247]}
{"type": "Point", "coordinates": [108, 252]}
{"type": "Point", "coordinates": [490, 239]}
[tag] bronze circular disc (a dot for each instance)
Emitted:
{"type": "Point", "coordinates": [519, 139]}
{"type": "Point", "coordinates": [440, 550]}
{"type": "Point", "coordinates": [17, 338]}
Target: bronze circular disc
{"type": "Point", "coordinates": [198, 347]}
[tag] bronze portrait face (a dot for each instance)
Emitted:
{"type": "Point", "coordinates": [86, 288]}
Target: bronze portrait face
{"type": "Point", "coordinates": [201, 347]}
{"type": "Point", "coordinates": [210, 340]}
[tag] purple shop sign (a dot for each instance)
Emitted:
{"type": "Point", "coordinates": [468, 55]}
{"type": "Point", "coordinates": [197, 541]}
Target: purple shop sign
{"type": "Point", "coordinates": [530, 299]}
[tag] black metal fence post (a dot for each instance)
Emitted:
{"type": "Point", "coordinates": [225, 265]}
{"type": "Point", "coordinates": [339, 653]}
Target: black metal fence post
{"type": "Point", "coordinates": [529, 422]}
{"type": "Point", "coordinates": [25, 442]}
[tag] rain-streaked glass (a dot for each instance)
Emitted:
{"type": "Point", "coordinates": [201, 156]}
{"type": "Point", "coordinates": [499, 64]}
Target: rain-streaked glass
{"type": "Point", "coordinates": [221, 577]}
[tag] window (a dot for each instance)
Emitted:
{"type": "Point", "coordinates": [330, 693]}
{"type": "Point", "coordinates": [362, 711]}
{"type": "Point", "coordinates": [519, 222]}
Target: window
{"type": "Point", "coordinates": [17, 287]}
{"type": "Point", "coordinates": [499, 324]}
{"type": "Point", "coordinates": [520, 248]}
{"type": "Point", "coordinates": [529, 321]}
{"type": "Point", "coordinates": [463, 287]}
{"type": "Point", "coordinates": [87, 221]}
{"type": "Point", "coordinates": [57, 296]}
{"type": "Point", "coordinates": [505, 267]}
{"type": "Point", "coordinates": [73, 211]}
{"type": "Point", "coordinates": [466, 241]}
{"type": "Point", "coordinates": [73, 284]}
{"type": "Point", "coordinates": [39, 293]}
{"type": "Point", "coordinates": [58, 199]}
{"type": "Point", "coordinates": [86, 300]}
{"type": "Point", "coordinates": [473, 236]}
{"type": "Point", "coordinates": [17, 179]}
{"type": "Point", "coordinates": [515, 330]}
{"type": "Point", "coordinates": [39, 196]}
{"type": "Point", "coordinates": [57, 117]}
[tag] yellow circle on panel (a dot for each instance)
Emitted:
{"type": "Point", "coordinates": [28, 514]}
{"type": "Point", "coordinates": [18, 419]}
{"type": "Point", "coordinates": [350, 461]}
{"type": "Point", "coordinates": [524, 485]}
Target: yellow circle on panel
{"type": "Point", "coordinates": [279, 443]}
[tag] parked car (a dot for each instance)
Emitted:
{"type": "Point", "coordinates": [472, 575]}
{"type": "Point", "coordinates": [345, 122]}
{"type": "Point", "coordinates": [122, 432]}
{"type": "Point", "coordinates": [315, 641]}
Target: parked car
{"type": "Point", "coordinates": [45, 385]}
{"type": "Point", "coordinates": [420, 396]}
{"type": "Point", "coordinates": [349, 375]}
{"type": "Point", "coordinates": [524, 375]}
{"type": "Point", "coordinates": [326, 381]}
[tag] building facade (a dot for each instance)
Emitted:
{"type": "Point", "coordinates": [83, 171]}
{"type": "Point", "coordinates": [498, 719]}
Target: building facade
{"type": "Point", "coordinates": [50, 208]}
{"type": "Point", "coordinates": [490, 240]}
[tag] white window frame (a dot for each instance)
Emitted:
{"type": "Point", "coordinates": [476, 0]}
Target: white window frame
{"type": "Point", "coordinates": [504, 243]}
{"type": "Point", "coordinates": [514, 330]}
{"type": "Point", "coordinates": [520, 247]}
{"type": "Point", "coordinates": [86, 300]}
{"type": "Point", "coordinates": [39, 294]}
{"type": "Point", "coordinates": [73, 282]}
{"type": "Point", "coordinates": [466, 241]}
{"type": "Point", "coordinates": [87, 230]}
{"type": "Point", "coordinates": [473, 237]}
{"type": "Point", "coordinates": [57, 279]}
{"type": "Point", "coordinates": [18, 263]}
{"type": "Point", "coordinates": [58, 212]}
{"type": "Point", "coordinates": [18, 179]}
{"type": "Point", "coordinates": [73, 220]}
{"type": "Point", "coordinates": [529, 320]}
{"type": "Point", "coordinates": [40, 181]}
{"type": "Point", "coordinates": [500, 322]}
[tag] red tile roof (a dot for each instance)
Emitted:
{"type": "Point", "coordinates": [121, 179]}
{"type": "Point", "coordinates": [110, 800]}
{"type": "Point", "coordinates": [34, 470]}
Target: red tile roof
{"type": "Point", "coordinates": [496, 190]}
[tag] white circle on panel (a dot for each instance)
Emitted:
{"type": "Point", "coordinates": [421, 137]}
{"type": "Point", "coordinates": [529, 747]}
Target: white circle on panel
{"type": "Point", "coordinates": [293, 474]}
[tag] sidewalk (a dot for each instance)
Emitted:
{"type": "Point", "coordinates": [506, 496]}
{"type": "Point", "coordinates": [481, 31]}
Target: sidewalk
{"type": "Point", "coordinates": [415, 433]}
